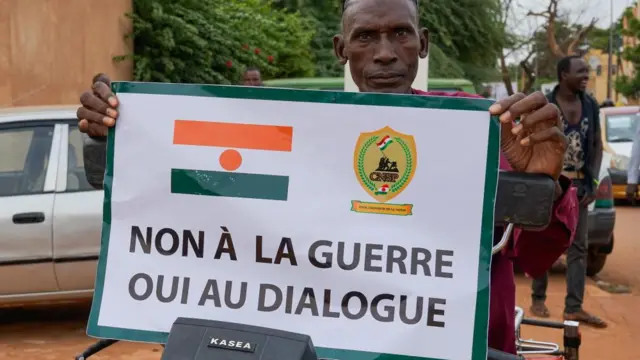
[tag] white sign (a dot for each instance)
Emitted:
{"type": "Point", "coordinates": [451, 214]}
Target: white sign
{"type": "Point", "coordinates": [307, 211]}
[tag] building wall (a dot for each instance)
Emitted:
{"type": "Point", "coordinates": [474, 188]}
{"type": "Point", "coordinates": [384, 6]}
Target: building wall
{"type": "Point", "coordinates": [626, 67]}
{"type": "Point", "coordinates": [50, 49]}
{"type": "Point", "coordinates": [598, 81]}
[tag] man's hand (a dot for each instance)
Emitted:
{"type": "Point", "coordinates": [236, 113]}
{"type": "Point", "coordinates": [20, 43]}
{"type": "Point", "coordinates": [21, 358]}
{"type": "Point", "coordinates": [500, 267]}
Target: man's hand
{"type": "Point", "coordinates": [536, 144]}
{"type": "Point", "coordinates": [99, 108]}
{"type": "Point", "coordinates": [632, 192]}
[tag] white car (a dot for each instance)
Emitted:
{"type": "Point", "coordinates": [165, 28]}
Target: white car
{"type": "Point", "coordinates": [50, 217]}
{"type": "Point", "coordinates": [618, 126]}
{"type": "Point", "coordinates": [602, 220]}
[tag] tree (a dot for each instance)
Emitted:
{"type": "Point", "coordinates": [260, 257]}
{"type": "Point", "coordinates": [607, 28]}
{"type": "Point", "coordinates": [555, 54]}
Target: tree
{"type": "Point", "coordinates": [629, 86]}
{"type": "Point", "coordinates": [325, 19]}
{"type": "Point", "coordinates": [571, 44]}
{"type": "Point", "coordinates": [512, 43]}
{"type": "Point", "coordinates": [464, 37]}
{"type": "Point", "coordinates": [211, 41]}
{"type": "Point", "coordinates": [468, 35]}
{"type": "Point", "coordinates": [516, 43]}
{"type": "Point", "coordinates": [545, 58]}
{"type": "Point", "coordinates": [555, 39]}
{"type": "Point", "coordinates": [442, 66]}
{"type": "Point", "coordinates": [599, 39]}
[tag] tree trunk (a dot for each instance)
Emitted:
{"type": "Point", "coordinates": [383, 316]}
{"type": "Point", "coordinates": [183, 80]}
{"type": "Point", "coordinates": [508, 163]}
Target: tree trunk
{"type": "Point", "coordinates": [506, 77]}
{"type": "Point", "coordinates": [551, 38]}
{"type": "Point", "coordinates": [530, 77]}
{"type": "Point", "coordinates": [551, 16]}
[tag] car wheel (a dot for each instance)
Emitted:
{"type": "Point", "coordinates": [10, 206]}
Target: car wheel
{"type": "Point", "coordinates": [595, 262]}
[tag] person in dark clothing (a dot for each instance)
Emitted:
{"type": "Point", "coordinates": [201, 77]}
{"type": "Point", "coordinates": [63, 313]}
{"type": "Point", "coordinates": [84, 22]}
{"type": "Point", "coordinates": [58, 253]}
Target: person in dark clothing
{"type": "Point", "coordinates": [581, 119]}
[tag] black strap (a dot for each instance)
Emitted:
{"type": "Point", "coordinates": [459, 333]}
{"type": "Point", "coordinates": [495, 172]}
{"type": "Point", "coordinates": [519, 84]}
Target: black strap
{"type": "Point", "coordinates": [572, 342]}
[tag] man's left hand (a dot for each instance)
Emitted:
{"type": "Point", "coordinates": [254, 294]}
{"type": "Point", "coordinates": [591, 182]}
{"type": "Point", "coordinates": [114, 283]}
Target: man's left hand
{"type": "Point", "coordinates": [536, 144]}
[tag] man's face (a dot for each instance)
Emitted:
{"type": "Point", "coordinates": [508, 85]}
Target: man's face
{"type": "Point", "coordinates": [382, 43]}
{"type": "Point", "coordinates": [252, 78]}
{"type": "Point", "coordinates": [577, 77]}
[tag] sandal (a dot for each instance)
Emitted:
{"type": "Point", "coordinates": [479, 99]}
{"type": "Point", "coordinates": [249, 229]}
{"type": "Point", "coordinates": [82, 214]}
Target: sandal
{"type": "Point", "coordinates": [539, 309]}
{"type": "Point", "coordinates": [586, 318]}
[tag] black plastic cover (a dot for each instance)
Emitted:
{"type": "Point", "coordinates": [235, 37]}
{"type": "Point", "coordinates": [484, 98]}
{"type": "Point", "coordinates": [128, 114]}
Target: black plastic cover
{"type": "Point", "coordinates": [197, 339]}
{"type": "Point", "coordinates": [524, 199]}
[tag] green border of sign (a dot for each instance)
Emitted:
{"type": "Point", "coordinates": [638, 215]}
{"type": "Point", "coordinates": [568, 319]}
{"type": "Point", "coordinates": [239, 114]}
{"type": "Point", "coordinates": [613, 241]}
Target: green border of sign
{"type": "Point", "coordinates": [479, 349]}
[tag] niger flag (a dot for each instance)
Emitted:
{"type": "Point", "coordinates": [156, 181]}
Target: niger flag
{"type": "Point", "coordinates": [233, 137]}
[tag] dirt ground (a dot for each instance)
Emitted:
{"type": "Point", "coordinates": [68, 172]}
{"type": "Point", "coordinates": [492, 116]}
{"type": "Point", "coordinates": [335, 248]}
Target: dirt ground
{"type": "Point", "coordinates": [621, 340]}
{"type": "Point", "coordinates": [59, 333]}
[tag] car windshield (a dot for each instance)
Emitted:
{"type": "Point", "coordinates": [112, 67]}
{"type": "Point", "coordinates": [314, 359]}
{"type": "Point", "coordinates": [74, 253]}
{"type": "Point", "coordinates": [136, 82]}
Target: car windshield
{"type": "Point", "coordinates": [622, 127]}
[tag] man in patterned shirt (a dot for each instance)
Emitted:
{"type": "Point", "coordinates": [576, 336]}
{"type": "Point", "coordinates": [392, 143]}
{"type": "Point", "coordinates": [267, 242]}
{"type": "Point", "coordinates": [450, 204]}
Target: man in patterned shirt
{"type": "Point", "coordinates": [580, 115]}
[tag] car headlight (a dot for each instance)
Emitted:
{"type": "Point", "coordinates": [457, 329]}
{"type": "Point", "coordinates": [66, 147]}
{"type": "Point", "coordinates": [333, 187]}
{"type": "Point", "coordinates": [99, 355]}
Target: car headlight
{"type": "Point", "coordinates": [620, 162]}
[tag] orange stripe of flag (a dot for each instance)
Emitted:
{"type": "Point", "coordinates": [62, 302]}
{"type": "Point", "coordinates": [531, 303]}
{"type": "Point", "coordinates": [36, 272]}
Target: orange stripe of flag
{"type": "Point", "coordinates": [240, 136]}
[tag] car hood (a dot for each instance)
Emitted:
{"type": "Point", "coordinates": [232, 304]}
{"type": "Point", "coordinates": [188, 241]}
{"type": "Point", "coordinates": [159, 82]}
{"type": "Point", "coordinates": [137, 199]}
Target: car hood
{"type": "Point", "coordinates": [622, 148]}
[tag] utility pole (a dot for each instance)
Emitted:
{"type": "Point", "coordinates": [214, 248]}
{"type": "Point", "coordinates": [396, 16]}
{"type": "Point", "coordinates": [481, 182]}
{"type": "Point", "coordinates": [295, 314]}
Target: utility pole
{"type": "Point", "coordinates": [537, 62]}
{"type": "Point", "coordinates": [610, 67]}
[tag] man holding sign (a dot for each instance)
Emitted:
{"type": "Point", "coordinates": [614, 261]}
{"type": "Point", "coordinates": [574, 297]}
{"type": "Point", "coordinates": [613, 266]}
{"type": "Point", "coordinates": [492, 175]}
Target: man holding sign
{"type": "Point", "coordinates": [381, 40]}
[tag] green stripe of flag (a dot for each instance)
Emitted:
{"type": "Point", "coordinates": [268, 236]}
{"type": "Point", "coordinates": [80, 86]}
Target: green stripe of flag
{"type": "Point", "coordinates": [229, 184]}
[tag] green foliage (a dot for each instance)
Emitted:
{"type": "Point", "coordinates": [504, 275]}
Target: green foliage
{"type": "Point", "coordinates": [325, 16]}
{"type": "Point", "coordinates": [599, 38]}
{"type": "Point", "coordinates": [193, 41]}
{"type": "Point", "coordinates": [630, 85]}
{"type": "Point", "coordinates": [465, 35]}
{"type": "Point", "coordinates": [212, 41]}
{"type": "Point", "coordinates": [441, 66]}
{"type": "Point", "coordinates": [468, 32]}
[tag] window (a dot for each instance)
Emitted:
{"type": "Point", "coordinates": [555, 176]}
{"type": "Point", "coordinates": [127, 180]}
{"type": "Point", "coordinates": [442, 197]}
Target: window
{"type": "Point", "coordinates": [24, 157]}
{"type": "Point", "coordinates": [76, 178]}
{"type": "Point", "coordinates": [621, 128]}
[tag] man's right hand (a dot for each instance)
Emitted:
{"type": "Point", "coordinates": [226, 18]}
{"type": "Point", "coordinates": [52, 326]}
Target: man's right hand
{"type": "Point", "coordinates": [99, 108]}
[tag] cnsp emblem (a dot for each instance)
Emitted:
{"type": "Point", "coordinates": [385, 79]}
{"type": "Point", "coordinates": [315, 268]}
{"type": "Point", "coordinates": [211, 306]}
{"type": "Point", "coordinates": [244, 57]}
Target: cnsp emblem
{"type": "Point", "coordinates": [384, 162]}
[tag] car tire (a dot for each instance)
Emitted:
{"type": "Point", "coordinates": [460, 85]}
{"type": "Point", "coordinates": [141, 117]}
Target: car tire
{"type": "Point", "coordinates": [595, 262]}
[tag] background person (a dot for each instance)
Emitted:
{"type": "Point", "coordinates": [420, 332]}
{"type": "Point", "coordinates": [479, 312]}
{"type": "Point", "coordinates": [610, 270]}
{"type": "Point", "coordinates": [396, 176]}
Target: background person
{"type": "Point", "coordinates": [581, 119]}
{"type": "Point", "coordinates": [252, 77]}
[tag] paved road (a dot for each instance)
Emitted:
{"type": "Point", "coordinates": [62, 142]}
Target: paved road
{"type": "Point", "coordinates": [58, 333]}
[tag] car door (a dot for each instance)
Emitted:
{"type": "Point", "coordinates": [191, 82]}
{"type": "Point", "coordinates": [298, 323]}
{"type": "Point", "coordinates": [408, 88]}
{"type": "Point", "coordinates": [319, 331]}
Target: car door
{"type": "Point", "coordinates": [77, 219]}
{"type": "Point", "coordinates": [28, 165]}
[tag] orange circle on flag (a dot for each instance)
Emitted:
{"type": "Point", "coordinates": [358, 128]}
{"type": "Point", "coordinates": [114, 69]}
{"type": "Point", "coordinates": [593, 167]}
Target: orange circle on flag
{"type": "Point", "coordinates": [230, 160]}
